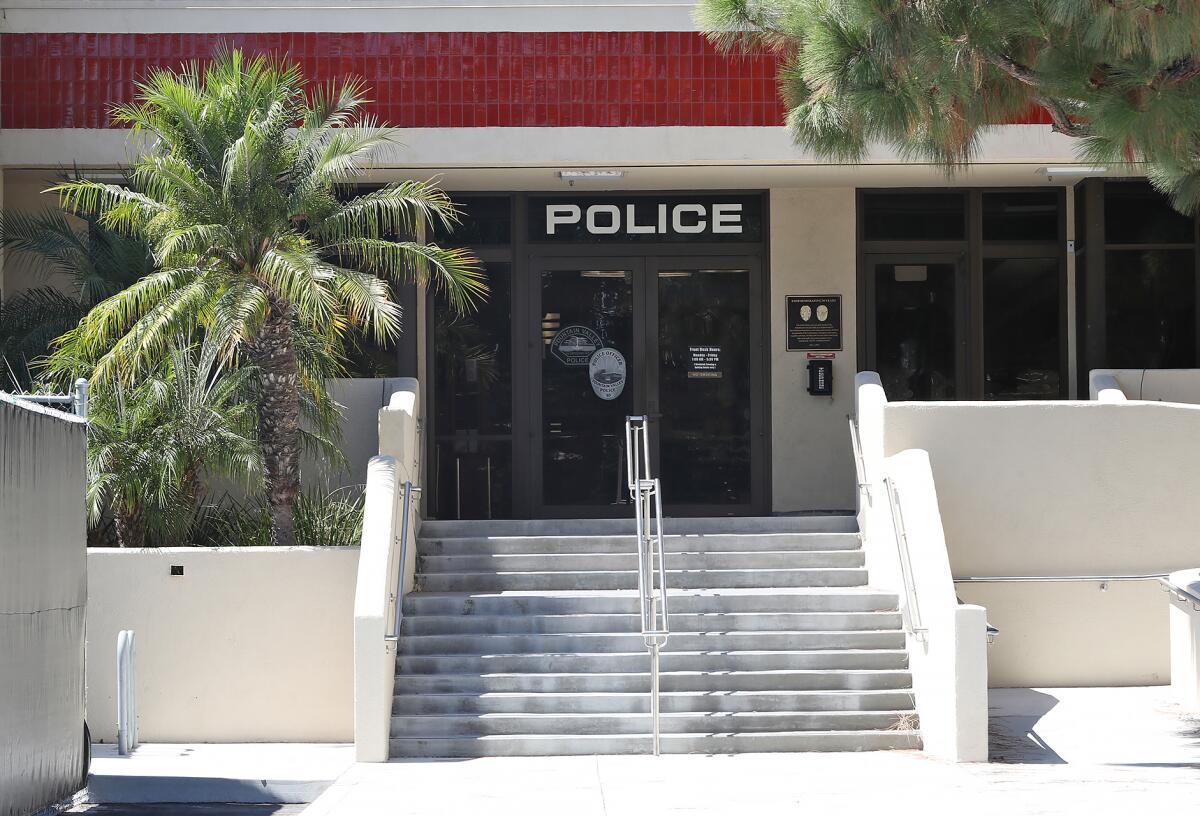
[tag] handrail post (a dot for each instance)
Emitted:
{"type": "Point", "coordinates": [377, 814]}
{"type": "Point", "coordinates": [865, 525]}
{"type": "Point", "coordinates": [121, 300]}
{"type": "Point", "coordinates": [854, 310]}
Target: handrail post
{"type": "Point", "coordinates": [127, 725]}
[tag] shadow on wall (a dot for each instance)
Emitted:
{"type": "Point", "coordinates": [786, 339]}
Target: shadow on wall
{"type": "Point", "coordinates": [1012, 734]}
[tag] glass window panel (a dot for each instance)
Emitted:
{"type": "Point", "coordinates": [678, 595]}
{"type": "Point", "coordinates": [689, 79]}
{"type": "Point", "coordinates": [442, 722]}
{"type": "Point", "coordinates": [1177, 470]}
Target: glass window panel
{"type": "Point", "coordinates": [584, 403]}
{"type": "Point", "coordinates": [1136, 213]}
{"type": "Point", "coordinates": [1022, 343]}
{"type": "Point", "coordinates": [473, 478]}
{"type": "Point", "coordinates": [485, 221]}
{"type": "Point", "coordinates": [915, 330]}
{"type": "Point", "coordinates": [473, 362]}
{"type": "Point", "coordinates": [914, 216]}
{"type": "Point", "coordinates": [1020, 216]}
{"type": "Point", "coordinates": [1150, 298]}
{"type": "Point", "coordinates": [704, 384]}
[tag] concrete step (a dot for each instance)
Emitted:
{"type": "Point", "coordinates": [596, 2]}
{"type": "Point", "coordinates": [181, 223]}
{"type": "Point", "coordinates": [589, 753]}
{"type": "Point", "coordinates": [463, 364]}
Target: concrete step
{"type": "Point", "coordinates": [574, 643]}
{"type": "Point", "coordinates": [696, 543]}
{"type": "Point", "coordinates": [617, 561]}
{"type": "Point", "coordinates": [715, 743]}
{"type": "Point", "coordinates": [836, 654]}
{"type": "Point", "coordinates": [679, 621]}
{"type": "Point", "coordinates": [687, 722]}
{"type": "Point", "coordinates": [627, 579]}
{"type": "Point", "coordinates": [783, 599]}
{"type": "Point", "coordinates": [434, 528]}
{"type": "Point", "coordinates": [638, 702]}
{"type": "Point", "coordinates": [714, 684]}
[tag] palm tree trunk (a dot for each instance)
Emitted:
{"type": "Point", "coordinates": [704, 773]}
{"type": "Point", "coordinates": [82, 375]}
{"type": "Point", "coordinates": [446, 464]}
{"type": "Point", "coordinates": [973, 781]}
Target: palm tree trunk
{"type": "Point", "coordinates": [274, 353]}
{"type": "Point", "coordinates": [130, 523]}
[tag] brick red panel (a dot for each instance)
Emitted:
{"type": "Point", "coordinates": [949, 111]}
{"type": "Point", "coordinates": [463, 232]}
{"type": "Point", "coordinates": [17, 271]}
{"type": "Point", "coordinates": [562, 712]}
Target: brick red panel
{"type": "Point", "coordinates": [422, 79]}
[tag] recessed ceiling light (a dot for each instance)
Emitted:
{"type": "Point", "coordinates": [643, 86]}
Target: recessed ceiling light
{"type": "Point", "coordinates": [1073, 171]}
{"type": "Point", "coordinates": [575, 175]}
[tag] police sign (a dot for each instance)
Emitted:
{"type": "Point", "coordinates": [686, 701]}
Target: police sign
{"type": "Point", "coordinates": [645, 218]}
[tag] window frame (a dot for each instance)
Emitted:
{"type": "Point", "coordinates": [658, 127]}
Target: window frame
{"type": "Point", "coordinates": [973, 250]}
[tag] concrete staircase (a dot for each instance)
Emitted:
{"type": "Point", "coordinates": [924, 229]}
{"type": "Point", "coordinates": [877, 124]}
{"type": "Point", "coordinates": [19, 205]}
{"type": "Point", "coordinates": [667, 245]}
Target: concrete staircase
{"type": "Point", "coordinates": [522, 639]}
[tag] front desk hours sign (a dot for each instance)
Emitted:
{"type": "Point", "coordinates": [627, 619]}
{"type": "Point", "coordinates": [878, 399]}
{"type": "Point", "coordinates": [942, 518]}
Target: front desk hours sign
{"type": "Point", "coordinates": [814, 323]}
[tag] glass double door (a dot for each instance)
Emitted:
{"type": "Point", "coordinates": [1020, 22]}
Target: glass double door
{"type": "Point", "coordinates": [679, 340]}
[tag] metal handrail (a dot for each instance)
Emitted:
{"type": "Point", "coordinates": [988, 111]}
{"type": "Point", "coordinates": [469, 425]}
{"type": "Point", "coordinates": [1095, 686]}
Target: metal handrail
{"type": "Point", "coordinates": [1055, 579]}
{"type": "Point", "coordinates": [1181, 594]}
{"type": "Point", "coordinates": [646, 493]}
{"type": "Point", "coordinates": [397, 596]}
{"type": "Point", "coordinates": [912, 607]}
{"type": "Point", "coordinates": [860, 465]}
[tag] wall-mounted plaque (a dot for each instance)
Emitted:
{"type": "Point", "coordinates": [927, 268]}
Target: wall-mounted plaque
{"type": "Point", "coordinates": [814, 323]}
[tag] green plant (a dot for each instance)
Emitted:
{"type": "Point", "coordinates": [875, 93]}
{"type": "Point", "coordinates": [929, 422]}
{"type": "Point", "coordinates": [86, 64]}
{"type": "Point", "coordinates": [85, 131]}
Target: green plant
{"type": "Point", "coordinates": [151, 444]}
{"type": "Point", "coordinates": [322, 520]}
{"type": "Point", "coordinates": [238, 200]}
{"type": "Point", "coordinates": [78, 265]}
{"type": "Point", "coordinates": [929, 78]}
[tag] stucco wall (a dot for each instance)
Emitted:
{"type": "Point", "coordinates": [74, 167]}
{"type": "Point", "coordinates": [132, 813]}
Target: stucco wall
{"type": "Point", "coordinates": [248, 645]}
{"type": "Point", "coordinates": [812, 253]}
{"type": "Point", "coordinates": [43, 590]}
{"type": "Point", "coordinates": [1064, 489]}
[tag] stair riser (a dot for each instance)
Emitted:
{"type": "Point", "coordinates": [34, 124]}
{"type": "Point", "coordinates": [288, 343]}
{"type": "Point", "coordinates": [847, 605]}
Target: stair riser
{"type": "Point", "coordinates": [636, 683]}
{"type": "Point", "coordinates": [563, 581]}
{"type": "Point", "coordinates": [726, 722]}
{"type": "Point", "coordinates": [639, 662]}
{"type": "Point", "coordinates": [625, 526]}
{"type": "Point", "coordinates": [679, 641]}
{"type": "Point", "coordinates": [540, 624]}
{"type": "Point", "coordinates": [804, 542]}
{"type": "Point", "coordinates": [638, 702]}
{"type": "Point", "coordinates": [671, 744]}
{"type": "Point", "coordinates": [835, 559]}
{"type": "Point", "coordinates": [858, 601]}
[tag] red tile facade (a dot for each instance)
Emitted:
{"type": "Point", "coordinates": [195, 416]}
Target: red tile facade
{"type": "Point", "coordinates": [422, 79]}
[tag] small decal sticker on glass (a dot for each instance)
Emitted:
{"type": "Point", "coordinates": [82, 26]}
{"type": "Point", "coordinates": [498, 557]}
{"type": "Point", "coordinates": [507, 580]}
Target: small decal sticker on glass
{"type": "Point", "coordinates": [574, 345]}
{"type": "Point", "coordinates": [606, 370]}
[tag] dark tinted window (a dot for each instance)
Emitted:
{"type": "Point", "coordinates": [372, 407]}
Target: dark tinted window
{"type": "Point", "coordinates": [914, 216]}
{"type": "Point", "coordinates": [486, 221]}
{"type": "Point", "coordinates": [915, 330]}
{"type": "Point", "coordinates": [473, 362]}
{"type": "Point", "coordinates": [1151, 308]}
{"type": "Point", "coordinates": [1136, 213]}
{"type": "Point", "coordinates": [1021, 341]}
{"type": "Point", "coordinates": [1019, 216]}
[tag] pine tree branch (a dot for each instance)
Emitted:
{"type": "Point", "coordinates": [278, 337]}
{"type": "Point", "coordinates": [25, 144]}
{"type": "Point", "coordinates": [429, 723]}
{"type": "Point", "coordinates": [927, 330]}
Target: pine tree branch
{"type": "Point", "coordinates": [1021, 73]}
{"type": "Point", "coordinates": [1180, 71]}
{"type": "Point", "coordinates": [1061, 119]}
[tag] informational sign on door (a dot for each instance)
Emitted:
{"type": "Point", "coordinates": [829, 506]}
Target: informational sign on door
{"type": "Point", "coordinates": [704, 363]}
{"type": "Point", "coordinates": [814, 323]}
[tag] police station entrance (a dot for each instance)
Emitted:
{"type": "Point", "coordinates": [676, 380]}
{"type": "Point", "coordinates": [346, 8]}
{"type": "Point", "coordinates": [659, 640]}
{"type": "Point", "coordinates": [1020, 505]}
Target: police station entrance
{"type": "Point", "coordinates": [629, 305]}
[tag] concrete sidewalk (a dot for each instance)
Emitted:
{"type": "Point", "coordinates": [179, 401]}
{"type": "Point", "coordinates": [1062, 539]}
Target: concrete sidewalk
{"type": "Point", "coordinates": [1099, 751]}
{"type": "Point", "coordinates": [248, 774]}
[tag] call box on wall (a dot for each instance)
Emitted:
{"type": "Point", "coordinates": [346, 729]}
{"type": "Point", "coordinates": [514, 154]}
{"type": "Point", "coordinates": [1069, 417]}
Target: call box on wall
{"type": "Point", "coordinates": [820, 378]}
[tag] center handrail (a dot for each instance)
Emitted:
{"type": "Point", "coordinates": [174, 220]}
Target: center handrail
{"type": "Point", "coordinates": [646, 493]}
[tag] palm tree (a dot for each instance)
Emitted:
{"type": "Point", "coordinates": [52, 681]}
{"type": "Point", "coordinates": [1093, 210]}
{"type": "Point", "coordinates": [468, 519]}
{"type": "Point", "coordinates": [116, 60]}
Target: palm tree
{"type": "Point", "coordinates": [240, 199]}
{"type": "Point", "coordinates": [90, 264]}
{"type": "Point", "coordinates": [151, 444]}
